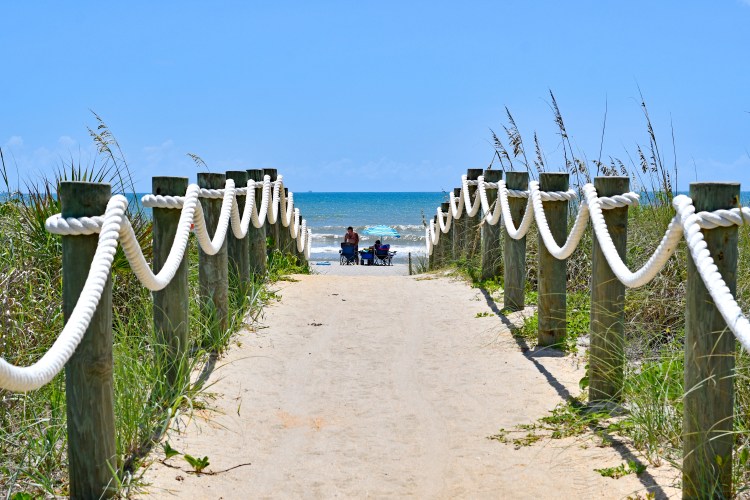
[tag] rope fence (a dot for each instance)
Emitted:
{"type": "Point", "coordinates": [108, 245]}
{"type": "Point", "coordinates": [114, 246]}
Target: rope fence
{"type": "Point", "coordinates": [707, 220]}
{"type": "Point", "coordinates": [259, 208]}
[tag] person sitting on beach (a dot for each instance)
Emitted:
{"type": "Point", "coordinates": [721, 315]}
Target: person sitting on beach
{"type": "Point", "coordinates": [376, 246]}
{"type": "Point", "coordinates": [352, 237]}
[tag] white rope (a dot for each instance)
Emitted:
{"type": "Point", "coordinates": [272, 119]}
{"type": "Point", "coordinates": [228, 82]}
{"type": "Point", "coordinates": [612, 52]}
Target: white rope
{"type": "Point", "coordinates": [114, 226]}
{"type": "Point", "coordinates": [579, 227]}
{"type": "Point", "coordinates": [724, 218]}
{"type": "Point", "coordinates": [16, 378]}
{"type": "Point", "coordinates": [472, 207]}
{"type": "Point", "coordinates": [704, 263]}
{"type": "Point", "coordinates": [655, 263]}
{"type": "Point", "coordinates": [686, 222]}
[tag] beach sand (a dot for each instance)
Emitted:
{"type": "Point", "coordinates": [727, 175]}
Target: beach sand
{"type": "Point", "coordinates": [338, 270]}
{"type": "Point", "coordinates": [383, 385]}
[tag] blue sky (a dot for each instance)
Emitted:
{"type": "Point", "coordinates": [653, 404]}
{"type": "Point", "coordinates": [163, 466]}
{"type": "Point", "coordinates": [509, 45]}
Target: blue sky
{"type": "Point", "coordinates": [371, 96]}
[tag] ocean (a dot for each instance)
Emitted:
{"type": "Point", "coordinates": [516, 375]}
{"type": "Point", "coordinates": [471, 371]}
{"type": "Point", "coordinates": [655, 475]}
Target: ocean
{"type": "Point", "coordinates": [329, 214]}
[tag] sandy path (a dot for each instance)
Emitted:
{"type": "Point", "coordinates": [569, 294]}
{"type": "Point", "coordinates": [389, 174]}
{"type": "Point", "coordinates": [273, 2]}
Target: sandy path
{"type": "Point", "coordinates": [387, 386]}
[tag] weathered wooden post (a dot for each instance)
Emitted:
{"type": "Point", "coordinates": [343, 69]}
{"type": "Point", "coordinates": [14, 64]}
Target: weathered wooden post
{"type": "Point", "coordinates": [272, 230]}
{"type": "Point", "coordinates": [709, 359]}
{"type": "Point", "coordinates": [213, 269]}
{"type": "Point", "coordinates": [435, 258]}
{"type": "Point", "coordinates": [491, 255]}
{"type": "Point", "coordinates": [410, 273]}
{"type": "Point", "coordinates": [170, 303]}
{"type": "Point", "coordinates": [88, 373]}
{"type": "Point", "coordinates": [458, 230]}
{"type": "Point", "coordinates": [553, 272]}
{"type": "Point", "coordinates": [285, 235]}
{"type": "Point", "coordinates": [431, 259]}
{"type": "Point", "coordinates": [514, 251]}
{"type": "Point", "coordinates": [238, 250]}
{"type": "Point", "coordinates": [257, 237]}
{"type": "Point", "coordinates": [607, 325]}
{"type": "Point", "coordinates": [471, 229]}
{"type": "Point", "coordinates": [445, 239]}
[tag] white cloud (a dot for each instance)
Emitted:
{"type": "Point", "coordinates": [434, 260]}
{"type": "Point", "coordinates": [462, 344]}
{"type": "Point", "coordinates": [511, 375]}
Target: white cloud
{"type": "Point", "coordinates": [15, 141]}
{"type": "Point", "coordinates": [66, 141]}
{"type": "Point", "coordinates": [156, 152]}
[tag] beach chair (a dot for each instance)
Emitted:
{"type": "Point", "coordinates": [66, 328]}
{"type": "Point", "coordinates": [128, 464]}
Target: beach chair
{"type": "Point", "coordinates": [348, 254]}
{"type": "Point", "coordinates": [366, 257]}
{"type": "Point", "coordinates": [384, 256]}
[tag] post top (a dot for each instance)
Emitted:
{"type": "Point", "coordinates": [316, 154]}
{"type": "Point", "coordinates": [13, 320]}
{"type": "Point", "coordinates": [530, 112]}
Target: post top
{"type": "Point", "coordinates": [237, 176]}
{"type": "Point", "coordinates": [493, 175]}
{"type": "Point", "coordinates": [83, 199]}
{"type": "Point", "coordinates": [710, 196]}
{"type": "Point", "coordinates": [169, 178]}
{"type": "Point", "coordinates": [255, 174]}
{"type": "Point", "coordinates": [611, 185]}
{"type": "Point", "coordinates": [211, 180]}
{"type": "Point", "coordinates": [727, 184]}
{"type": "Point", "coordinates": [272, 172]}
{"type": "Point", "coordinates": [211, 175]}
{"type": "Point", "coordinates": [517, 180]}
{"type": "Point", "coordinates": [167, 185]}
{"type": "Point", "coordinates": [91, 185]}
{"type": "Point", "coordinates": [473, 173]}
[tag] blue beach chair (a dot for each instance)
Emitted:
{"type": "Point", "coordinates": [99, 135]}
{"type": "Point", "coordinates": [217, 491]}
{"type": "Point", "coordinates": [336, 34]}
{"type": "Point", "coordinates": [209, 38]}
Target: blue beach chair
{"type": "Point", "coordinates": [383, 255]}
{"type": "Point", "coordinates": [348, 254]}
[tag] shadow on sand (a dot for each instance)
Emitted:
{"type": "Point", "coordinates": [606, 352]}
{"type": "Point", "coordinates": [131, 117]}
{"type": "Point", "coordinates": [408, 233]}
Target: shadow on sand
{"type": "Point", "coordinates": [646, 479]}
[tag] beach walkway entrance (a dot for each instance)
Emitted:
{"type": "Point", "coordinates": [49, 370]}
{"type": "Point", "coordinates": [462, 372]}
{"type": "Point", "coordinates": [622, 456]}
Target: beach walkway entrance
{"type": "Point", "coordinates": [386, 386]}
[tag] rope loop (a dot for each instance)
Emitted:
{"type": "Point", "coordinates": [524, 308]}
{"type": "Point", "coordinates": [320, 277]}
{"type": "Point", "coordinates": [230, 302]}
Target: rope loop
{"type": "Point", "coordinates": [724, 218]}
{"type": "Point", "coordinates": [115, 228]}
{"type": "Point", "coordinates": [74, 226]}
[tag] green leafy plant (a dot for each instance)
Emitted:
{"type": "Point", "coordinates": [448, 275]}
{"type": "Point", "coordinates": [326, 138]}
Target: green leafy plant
{"type": "Point", "coordinates": [198, 464]}
{"type": "Point", "coordinates": [632, 467]}
{"type": "Point", "coordinates": [169, 452]}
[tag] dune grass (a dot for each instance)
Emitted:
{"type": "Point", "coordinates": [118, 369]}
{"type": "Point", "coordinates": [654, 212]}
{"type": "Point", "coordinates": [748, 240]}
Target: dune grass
{"type": "Point", "coordinates": [33, 446]}
{"type": "Point", "coordinates": [654, 314]}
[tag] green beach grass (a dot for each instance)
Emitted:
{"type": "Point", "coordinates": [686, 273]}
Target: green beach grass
{"type": "Point", "coordinates": [33, 446]}
{"type": "Point", "coordinates": [654, 314]}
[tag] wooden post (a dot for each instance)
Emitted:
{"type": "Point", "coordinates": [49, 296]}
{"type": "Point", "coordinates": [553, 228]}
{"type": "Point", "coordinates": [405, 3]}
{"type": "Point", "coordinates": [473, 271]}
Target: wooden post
{"type": "Point", "coordinates": [213, 269]}
{"type": "Point", "coordinates": [285, 235]}
{"type": "Point", "coordinates": [238, 250]}
{"type": "Point", "coordinates": [171, 303]}
{"type": "Point", "coordinates": [553, 272]}
{"type": "Point", "coordinates": [458, 231]}
{"type": "Point", "coordinates": [514, 251]}
{"type": "Point", "coordinates": [445, 240]}
{"type": "Point", "coordinates": [272, 230]}
{"type": "Point", "coordinates": [607, 326]}
{"type": "Point", "coordinates": [709, 359]}
{"type": "Point", "coordinates": [471, 229]}
{"type": "Point", "coordinates": [257, 237]}
{"type": "Point", "coordinates": [88, 373]}
{"type": "Point", "coordinates": [435, 258]}
{"type": "Point", "coordinates": [410, 264]}
{"type": "Point", "coordinates": [491, 255]}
